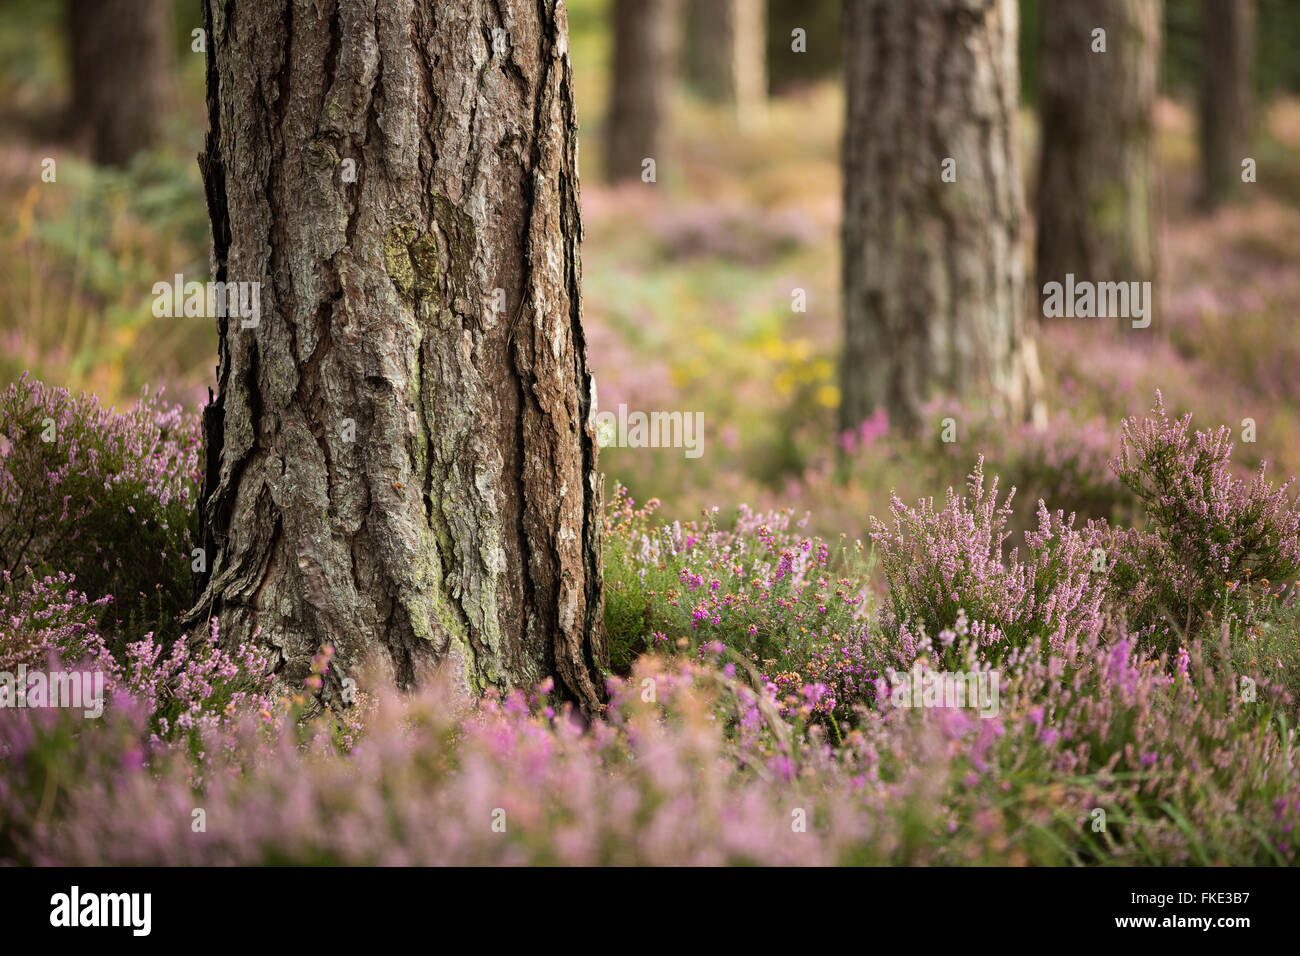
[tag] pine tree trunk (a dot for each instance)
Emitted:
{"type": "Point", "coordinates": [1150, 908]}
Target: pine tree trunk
{"type": "Point", "coordinates": [401, 456]}
{"type": "Point", "coordinates": [821, 22]}
{"type": "Point", "coordinates": [726, 47]}
{"type": "Point", "coordinates": [933, 271]}
{"type": "Point", "coordinates": [1228, 32]}
{"type": "Point", "coordinates": [1096, 189]}
{"type": "Point", "coordinates": [645, 49]}
{"type": "Point", "coordinates": [121, 56]}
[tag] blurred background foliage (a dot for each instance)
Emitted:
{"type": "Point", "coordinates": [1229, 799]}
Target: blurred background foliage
{"type": "Point", "coordinates": [688, 284]}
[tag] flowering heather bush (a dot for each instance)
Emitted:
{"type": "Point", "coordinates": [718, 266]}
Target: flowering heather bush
{"type": "Point", "coordinates": [942, 564]}
{"type": "Point", "coordinates": [106, 497]}
{"type": "Point", "coordinates": [1214, 544]}
{"type": "Point", "coordinates": [780, 600]}
{"type": "Point", "coordinates": [195, 685]}
{"type": "Point", "coordinates": [691, 766]}
{"type": "Point", "coordinates": [178, 688]}
{"type": "Point", "coordinates": [46, 619]}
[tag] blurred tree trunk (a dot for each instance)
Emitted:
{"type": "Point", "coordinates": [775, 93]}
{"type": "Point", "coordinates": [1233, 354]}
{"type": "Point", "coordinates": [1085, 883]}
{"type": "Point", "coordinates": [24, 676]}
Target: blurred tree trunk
{"type": "Point", "coordinates": [820, 21]}
{"type": "Point", "coordinates": [933, 272]}
{"type": "Point", "coordinates": [1096, 187]}
{"type": "Point", "coordinates": [121, 57]}
{"type": "Point", "coordinates": [401, 456]}
{"type": "Point", "coordinates": [645, 50]}
{"type": "Point", "coordinates": [726, 53]}
{"type": "Point", "coordinates": [1228, 31]}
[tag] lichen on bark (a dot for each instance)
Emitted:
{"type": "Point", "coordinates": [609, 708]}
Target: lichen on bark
{"type": "Point", "coordinates": [411, 260]}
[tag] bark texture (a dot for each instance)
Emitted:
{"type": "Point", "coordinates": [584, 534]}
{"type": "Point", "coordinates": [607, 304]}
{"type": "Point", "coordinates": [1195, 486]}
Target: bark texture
{"type": "Point", "coordinates": [1096, 186]}
{"type": "Point", "coordinates": [644, 64]}
{"type": "Point", "coordinates": [462, 524]}
{"type": "Point", "coordinates": [121, 57]}
{"type": "Point", "coordinates": [1227, 96]}
{"type": "Point", "coordinates": [933, 271]}
{"type": "Point", "coordinates": [726, 53]}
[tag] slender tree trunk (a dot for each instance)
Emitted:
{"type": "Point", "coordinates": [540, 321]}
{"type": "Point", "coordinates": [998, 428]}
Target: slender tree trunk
{"type": "Point", "coordinates": [121, 57]}
{"type": "Point", "coordinates": [933, 270]}
{"type": "Point", "coordinates": [726, 47]}
{"type": "Point", "coordinates": [1096, 187]}
{"type": "Point", "coordinates": [1228, 31]}
{"type": "Point", "coordinates": [401, 456]}
{"type": "Point", "coordinates": [645, 50]}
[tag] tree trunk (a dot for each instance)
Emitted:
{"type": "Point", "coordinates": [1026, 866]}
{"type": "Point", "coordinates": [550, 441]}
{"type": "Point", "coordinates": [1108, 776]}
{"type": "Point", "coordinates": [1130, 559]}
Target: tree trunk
{"type": "Point", "coordinates": [933, 272]}
{"type": "Point", "coordinates": [645, 33]}
{"type": "Point", "coordinates": [726, 46]}
{"type": "Point", "coordinates": [121, 57]}
{"type": "Point", "coordinates": [401, 456]}
{"type": "Point", "coordinates": [1096, 188]}
{"type": "Point", "coordinates": [821, 22]}
{"type": "Point", "coordinates": [1228, 31]}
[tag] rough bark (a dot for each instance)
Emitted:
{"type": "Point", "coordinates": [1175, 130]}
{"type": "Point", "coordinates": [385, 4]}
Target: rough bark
{"type": "Point", "coordinates": [1096, 187]}
{"type": "Point", "coordinates": [462, 525]}
{"type": "Point", "coordinates": [121, 57]}
{"type": "Point", "coordinates": [933, 271]}
{"type": "Point", "coordinates": [1228, 32]}
{"type": "Point", "coordinates": [644, 62]}
{"type": "Point", "coordinates": [726, 53]}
